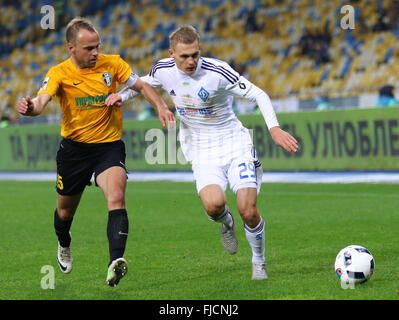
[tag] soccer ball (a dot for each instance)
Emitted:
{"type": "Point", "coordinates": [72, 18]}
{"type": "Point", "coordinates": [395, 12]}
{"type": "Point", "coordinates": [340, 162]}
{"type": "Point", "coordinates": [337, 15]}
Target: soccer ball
{"type": "Point", "coordinates": [354, 264]}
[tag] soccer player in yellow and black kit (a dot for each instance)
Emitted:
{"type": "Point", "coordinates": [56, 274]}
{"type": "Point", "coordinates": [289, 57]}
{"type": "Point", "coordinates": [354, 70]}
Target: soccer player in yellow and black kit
{"type": "Point", "coordinates": [91, 133]}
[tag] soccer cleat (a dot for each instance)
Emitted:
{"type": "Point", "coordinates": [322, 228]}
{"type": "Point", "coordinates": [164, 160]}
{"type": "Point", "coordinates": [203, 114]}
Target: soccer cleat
{"type": "Point", "coordinates": [259, 271]}
{"type": "Point", "coordinates": [116, 271]}
{"type": "Point", "coordinates": [229, 239]}
{"type": "Point", "coordinates": [64, 259]}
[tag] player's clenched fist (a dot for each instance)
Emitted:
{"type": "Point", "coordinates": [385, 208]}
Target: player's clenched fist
{"type": "Point", "coordinates": [25, 106]}
{"type": "Point", "coordinates": [33, 107]}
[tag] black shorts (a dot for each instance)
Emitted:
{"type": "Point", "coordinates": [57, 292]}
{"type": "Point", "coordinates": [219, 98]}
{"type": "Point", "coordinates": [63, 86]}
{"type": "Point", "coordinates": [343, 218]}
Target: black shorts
{"type": "Point", "coordinates": [77, 162]}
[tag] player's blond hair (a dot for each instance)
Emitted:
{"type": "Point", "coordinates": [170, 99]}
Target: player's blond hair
{"type": "Point", "coordinates": [75, 25]}
{"type": "Point", "coordinates": [185, 34]}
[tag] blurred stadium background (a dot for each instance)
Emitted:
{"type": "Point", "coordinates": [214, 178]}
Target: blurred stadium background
{"type": "Point", "coordinates": [298, 53]}
{"type": "Point", "coordinates": [295, 50]}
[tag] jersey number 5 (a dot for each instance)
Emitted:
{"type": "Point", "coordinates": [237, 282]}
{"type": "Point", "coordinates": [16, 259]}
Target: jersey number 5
{"type": "Point", "coordinates": [60, 185]}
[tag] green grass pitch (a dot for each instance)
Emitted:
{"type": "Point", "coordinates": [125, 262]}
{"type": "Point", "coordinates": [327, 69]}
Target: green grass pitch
{"type": "Point", "coordinates": [175, 253]}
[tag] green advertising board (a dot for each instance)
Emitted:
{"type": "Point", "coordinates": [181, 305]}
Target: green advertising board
{"type": "Point", "coordinates": [358, 139]}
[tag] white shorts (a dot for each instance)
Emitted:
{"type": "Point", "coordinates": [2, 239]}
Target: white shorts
{"type": "Point", "coordinates": [240, 173]}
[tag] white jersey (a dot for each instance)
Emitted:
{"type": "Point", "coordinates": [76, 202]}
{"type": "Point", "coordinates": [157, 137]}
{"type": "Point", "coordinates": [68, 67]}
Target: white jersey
{"type": "Point", "coordinates": [204, 100]}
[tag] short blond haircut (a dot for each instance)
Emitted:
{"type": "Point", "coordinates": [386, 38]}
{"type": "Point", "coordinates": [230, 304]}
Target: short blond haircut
{"type": "Point", "coordinates": [75, 25]}
{"type": "Point", "coordinates": [185, 34]}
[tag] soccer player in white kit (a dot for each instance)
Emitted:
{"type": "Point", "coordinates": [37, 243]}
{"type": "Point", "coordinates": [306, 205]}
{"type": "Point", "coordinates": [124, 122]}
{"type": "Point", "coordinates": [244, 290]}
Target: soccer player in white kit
{"type": "Point", "coordinates": [212, 138]}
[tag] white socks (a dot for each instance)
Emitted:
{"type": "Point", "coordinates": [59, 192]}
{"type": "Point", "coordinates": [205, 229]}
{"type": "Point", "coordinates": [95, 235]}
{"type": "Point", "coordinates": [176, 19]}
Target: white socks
{"type": "Point", "coordinates": [255, 236]}
{"type": "Point", "coordinates": [224, 218]}
{"type": "Point", "coordinates": [256, 239]}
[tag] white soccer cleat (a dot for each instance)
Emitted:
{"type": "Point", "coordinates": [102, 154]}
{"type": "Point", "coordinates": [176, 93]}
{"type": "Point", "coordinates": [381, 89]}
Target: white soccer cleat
{"type": "Point", "coordinates": [64, 258]}
{"type": "Point", "coordinates": [229, 239]}
{"type": "Point", "coordinates": [259, 271]}
{"type": "Point", "coordinates": [116, 271]}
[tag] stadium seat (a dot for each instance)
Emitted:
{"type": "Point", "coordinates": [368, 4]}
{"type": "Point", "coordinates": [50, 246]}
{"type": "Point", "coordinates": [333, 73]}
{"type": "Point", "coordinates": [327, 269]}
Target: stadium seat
{"type": "Point", "coordinates": [272, 53]}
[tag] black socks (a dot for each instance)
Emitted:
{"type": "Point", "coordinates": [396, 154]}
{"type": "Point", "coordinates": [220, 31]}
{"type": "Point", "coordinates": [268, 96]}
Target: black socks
{"type": "Point", "coordinates": [117, 231]}
{"type": "Point", "coordinates": [62, 228]}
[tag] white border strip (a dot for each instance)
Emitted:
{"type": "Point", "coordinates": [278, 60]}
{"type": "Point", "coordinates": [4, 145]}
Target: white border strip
{"type": "Point", "coordinates": [179, 176]}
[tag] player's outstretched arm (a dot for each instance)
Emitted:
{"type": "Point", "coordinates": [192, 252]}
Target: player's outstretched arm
{"type": "Point", "coordinates": [113, 99]}
{"type": "Point", "coordinates": [33, 107]}
{"type": "Point", "coordinates": [284, 139]}
{"type": "Point", "coordinates": [116, 99]}
{"type": "Point", "coordinates": [254, 93]}
{"type": "Point", "coordinates": [166, 117]}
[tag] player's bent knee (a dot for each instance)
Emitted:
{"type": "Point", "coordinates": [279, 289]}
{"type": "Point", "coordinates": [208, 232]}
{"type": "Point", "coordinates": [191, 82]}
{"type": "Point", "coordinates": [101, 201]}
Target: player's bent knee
{"type": "Point", "coordinates": [214, 209]}
{"type": "Point", "coordinates": [65, 214]}
{"type": "Point", "coordinates": [250, 216]}
{"type": "Point", "coordinates": [116, 200]}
